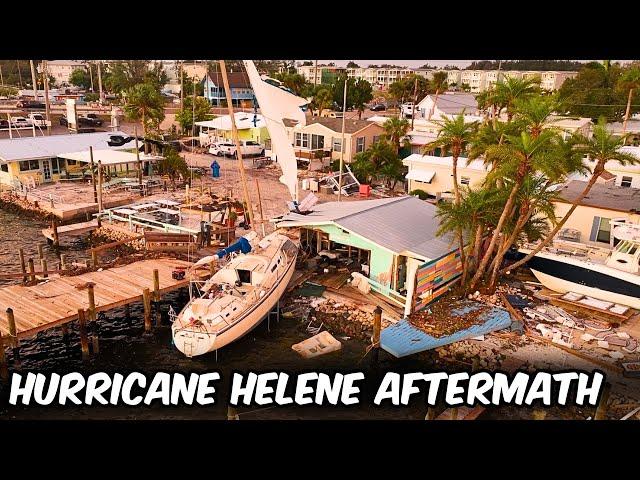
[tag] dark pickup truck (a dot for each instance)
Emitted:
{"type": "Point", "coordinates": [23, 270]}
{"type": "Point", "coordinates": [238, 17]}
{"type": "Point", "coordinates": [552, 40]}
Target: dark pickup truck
{"type": "Point", "coordinates": [29, 104]}
{"type": "Point", "coordinates": [91, 120]}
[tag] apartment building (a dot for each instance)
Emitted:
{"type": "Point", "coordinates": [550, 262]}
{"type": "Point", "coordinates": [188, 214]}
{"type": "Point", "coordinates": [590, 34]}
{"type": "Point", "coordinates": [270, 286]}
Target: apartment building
{"type": "Point", "coordinates": [475, 79]}
{"type": "Point", "coordinates": [481, 80]}
{"type": "Point", "coordinates": [380, 78]}
{"type": "Point", "coordinates": [61, 70]}
{"type": "Point", "coordinates": [552, 81]}
{"type": "Point", "coordinates": [320, 75]}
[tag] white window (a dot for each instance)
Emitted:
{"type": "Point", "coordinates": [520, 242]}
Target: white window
{"type": "Point", "coordinates": [298, 142]}
{"type": "Point", "coordinates": [465, 180]}
{"type": "Point", "coordinates": [359, 144]}
{"type": "Point", "coordinates": [376, 138]}
{"type": "Point", "coordinates": [626, 182]}
{"type": "Point", "coordinates": [337, 144]}
{"type": "Point", "coordinates": [305, 140]}
{"type": "Point", "coordinates": [317, 142]}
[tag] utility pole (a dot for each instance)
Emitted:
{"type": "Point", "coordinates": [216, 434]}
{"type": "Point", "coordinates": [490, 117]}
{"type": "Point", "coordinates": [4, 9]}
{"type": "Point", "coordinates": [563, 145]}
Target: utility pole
{"type": "Point", "coordinates": [342, 146]}
{"type": "Point", "coordinates": [19, 72]}
{"type": "Point", "coordinates": [415, 100]}
{"type": "Point", "coordinates": [33, 81]}
{"type": "Point", "coordinates": [1, 77]}
{"type": "Point", "coordinates": [91, 76]}
{"type": "Point", "coordinates": [100, 82]}
{"type": "Point", "coordinates": [45, 81]}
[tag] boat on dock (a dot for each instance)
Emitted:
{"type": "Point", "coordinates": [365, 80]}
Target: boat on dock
{"type": "Point", "coordinates": [257, 271]}
{"type": "Point", "coordinates": [238, 297]}
{"type": "Point", "coordinates": [613, 276]}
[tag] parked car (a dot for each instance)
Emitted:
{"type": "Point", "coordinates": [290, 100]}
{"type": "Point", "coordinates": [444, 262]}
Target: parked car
{"type": "Point", "coordinates": [89, 120]}
{"type": "Point", "coordinates": [216, 148]}
{"type": "Point", "coordinates": [408, 109]}
{"type": "Point", "coordinates": [247, 147]}
{"type": "Point", "coordinates": [378, 107]}
{"type": "Point", "coordinates": [20, 122]}
{"type": "Point", "coordinates": [63, 121]}
{"type": "Point", "coordinates": [4, 124]}
{"type": "Point", "coordinates": [29, 104]}
{"type": "Point", "coordinates": [37, 119]}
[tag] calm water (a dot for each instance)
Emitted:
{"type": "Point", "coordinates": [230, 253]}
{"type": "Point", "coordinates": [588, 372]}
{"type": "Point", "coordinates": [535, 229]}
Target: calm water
{"type": "Point", "coordinates": [123, 348]}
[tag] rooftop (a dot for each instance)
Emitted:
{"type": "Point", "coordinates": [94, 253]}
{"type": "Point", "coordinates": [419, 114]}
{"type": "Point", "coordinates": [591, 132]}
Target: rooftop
{"type": "Point", "coordinates": [236, 79]}
{"type": "Point", "coordinates": [454, 103]}
{"type": "Point", "coordinates": [605, 196]}
{"type": "Point", "coordinates": [26, 148]}
{"type": "Point", "coordinates": [403, 225]}
{"type": "Point", "coordinates": [430, 160]}
{"type": "Point", "coordinates": [334, 124]}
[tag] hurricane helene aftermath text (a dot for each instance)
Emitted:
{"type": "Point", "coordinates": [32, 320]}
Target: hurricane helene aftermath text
{"type": "Point", "coordinates": [309, 388]}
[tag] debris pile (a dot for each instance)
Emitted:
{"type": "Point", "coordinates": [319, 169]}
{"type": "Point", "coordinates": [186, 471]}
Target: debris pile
{"type": "Point", "coordinates": [437, 320]}
{"type": "Point", "coordinates": [467, 351]}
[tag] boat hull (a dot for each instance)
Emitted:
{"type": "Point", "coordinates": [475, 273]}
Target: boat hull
{"type": "Point", "coordinates": [597, 281]}
{"type": "Point", "coordinates": [193, 343]}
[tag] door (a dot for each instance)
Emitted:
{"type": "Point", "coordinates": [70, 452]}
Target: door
{"type": "Point", "coordinates": [46, 170]}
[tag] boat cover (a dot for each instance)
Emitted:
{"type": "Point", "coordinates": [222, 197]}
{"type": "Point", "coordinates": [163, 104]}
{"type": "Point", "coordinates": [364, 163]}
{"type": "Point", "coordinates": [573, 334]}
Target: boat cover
{"type": "Point", "coordinates": [242, 245]}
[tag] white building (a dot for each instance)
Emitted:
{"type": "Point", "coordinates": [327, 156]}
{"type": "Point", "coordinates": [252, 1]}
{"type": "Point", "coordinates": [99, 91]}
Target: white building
{"type": "Point", "coordinates": [433, 175]}
{"type": "Point", "coordinates": [475, 79]}
{"type": "Point", "coordinates": [380, 78]}
{"type": "Point", "coordinates": [61, 70]}
{"type": "Point", "coordinates": [552, 81]}
{"type": "Point", "coordinates": [448, 104]}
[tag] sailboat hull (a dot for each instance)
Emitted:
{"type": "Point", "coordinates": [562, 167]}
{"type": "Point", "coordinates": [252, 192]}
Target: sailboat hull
{"type": "Point", "coordinates": [563, 275]}
{"type": "Point", "coordinates": [193, 343]}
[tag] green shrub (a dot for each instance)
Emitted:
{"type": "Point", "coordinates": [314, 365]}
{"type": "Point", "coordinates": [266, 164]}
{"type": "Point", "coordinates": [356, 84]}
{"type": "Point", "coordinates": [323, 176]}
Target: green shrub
{"type": "Point", "coordinates": [421, 194]}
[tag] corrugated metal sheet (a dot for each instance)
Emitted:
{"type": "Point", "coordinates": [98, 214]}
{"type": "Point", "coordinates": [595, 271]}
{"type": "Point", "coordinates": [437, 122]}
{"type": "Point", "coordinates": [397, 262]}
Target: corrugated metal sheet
{"type": "Point", "coordinates": [402, 338]}
{"type": "Point", "coordinates": [12, 149]}
{"type": "Point", "coordinates": [406, 225]}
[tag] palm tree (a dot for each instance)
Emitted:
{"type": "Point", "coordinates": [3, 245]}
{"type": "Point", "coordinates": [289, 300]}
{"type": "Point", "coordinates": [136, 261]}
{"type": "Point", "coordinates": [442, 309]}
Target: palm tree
{"type": "Point", "coordinates": [513, 161]}
{"type": "Point", "coordinates": [630, 80]}
{"type": "Point", "coordinates": [144, 103]}
{"type": "Point", "coordinates": [534, 112]}
{"type": "Point", "coordinates": [395, 130]}
{"type": "Point", "coordinates": [601, 148]}
{"type": "Point", "coordinates": [454, 136]}
{"type": "Point", "coordinates": [322, 99]}
{"type": "Point", "coordinates": [511, 89]}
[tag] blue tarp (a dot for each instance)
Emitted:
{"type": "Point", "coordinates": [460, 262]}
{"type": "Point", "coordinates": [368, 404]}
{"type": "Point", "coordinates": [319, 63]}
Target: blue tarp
{"type": "Point", "coordinates": [402, 338]}
{"type": "Point", "coordinates": [241, 245]}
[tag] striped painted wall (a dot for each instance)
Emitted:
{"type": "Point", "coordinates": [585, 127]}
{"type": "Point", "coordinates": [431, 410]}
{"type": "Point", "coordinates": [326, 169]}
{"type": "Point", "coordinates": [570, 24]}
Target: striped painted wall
{"type": "Point", "coordinates": [434, 278]}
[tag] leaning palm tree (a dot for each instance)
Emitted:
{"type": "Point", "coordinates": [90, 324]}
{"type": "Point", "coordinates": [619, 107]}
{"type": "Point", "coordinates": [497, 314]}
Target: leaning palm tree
{"type": "Point", "coordinates": [511, 89]}
{"type": "Point", "coordinates": [601, 148]}
{"type": "Point", "coordinates": [454, 136]}
{"type": "Point", "coordinates": [630, 81]}
{"type": "Point", "coordinates": [396, 130]}
{"type": "Point", "coordinates": [533, 112]}
{"type": "Point", "coordinates": [514, 160]}
{"type": "Point", "coordinates": [144, 103]}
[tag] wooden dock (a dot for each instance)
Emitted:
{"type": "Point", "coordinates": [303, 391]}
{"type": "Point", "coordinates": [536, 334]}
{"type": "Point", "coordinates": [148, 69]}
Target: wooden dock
{"type": "Point", "coordinates": [56, 302]}
{"type": "Point", "coordinates": [72, 229]}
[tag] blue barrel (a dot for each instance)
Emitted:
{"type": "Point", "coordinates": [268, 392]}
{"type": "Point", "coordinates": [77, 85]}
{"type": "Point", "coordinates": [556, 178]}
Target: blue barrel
{"type": "Point", "coordinates": [215, 169]}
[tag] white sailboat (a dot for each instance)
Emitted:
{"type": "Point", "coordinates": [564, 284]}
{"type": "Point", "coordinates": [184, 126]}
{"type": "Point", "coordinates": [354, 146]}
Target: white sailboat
{"type": "Point", "coordinates": [242, 293]}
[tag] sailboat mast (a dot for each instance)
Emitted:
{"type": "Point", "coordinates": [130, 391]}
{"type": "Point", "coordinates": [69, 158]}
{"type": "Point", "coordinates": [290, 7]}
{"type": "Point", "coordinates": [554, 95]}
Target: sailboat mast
{"type": "Point", "coordinates": [236, 139]}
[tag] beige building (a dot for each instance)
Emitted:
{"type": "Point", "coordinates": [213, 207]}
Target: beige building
{"type": "Point", "coordinates": [552, 81]}
{"type": "Point", "coordinates": [590, 223]}
{"type": "Point", "coordinates": [380, 78]}
{"type": "Point", "coordinates": [325, 134]}
{"type": "Point", "coordinates": [321, 74]}
{"type": "Point", "coordinates": [61, 70]}
{"type": "Point", "coordinates": [434, 174]}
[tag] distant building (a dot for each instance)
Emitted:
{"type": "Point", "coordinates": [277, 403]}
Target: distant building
{"type": "Point", "coordinates": [552, 81]}
{"type": "Point", "coordinates": [250, 126]}
{"type": "Point", "coordinates": [323, 74]}
{"type": "Point", "coordinates": [61, 70]}
{"type": "Point", "coordinates": [241, 91]}
{"type": "Point", "coordinates": [380, 78]}
{"type": "Point", "coordinates": [569, 125]}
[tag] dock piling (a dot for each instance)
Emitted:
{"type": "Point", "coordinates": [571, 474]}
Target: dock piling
{"type": "Point", "coordinates": [601, 411]}
{"type": "Point", "coordinates": [43, 264]}
{"type": "Point", "coordinates": [127, 312]}
{"type": "Point", "coordinates": [23, 266]}
{"type": "Point", "coordinates": [32, 275]}
{"type": "Point", "coordinates": [94, 258]}
{"type": "Point", "coordinates": [146, 300]}
{"type": "Point", "coordinates": [156, 296]}
{"type": "Point", "coordinates": [95, 344]}
{"type": "Point", "coordinates": [63, 264]}
{"type": "Point", "coordinates": [92, 301]}
{"type": "Point", "coordinates": [84, 340]}
{"type": "Point", "coordinates": [4, 371]}
{"type": "Point", "coordinates": [13, 333]}
{"type": "Point", "coordinates": [377, 328]}
{"type": "Point", "coordinates": [40, 252]}
{"type": "Point", "coordinates": [65, 332]}
{"type": "Point", "coordinates": [54, 229]}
